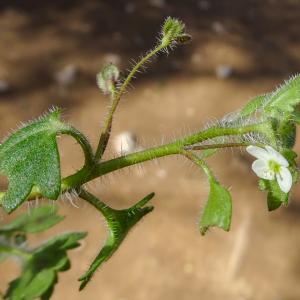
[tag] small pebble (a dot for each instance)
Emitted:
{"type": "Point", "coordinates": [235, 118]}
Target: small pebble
{"type": "Point", "coordinates": [67, 75]}
{"type": "Point", "coordinates": [223, 71]}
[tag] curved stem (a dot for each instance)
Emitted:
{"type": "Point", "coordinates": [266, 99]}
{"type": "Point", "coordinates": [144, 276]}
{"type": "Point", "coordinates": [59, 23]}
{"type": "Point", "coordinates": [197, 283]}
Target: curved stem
{"type": "Point", "coordinates": [198, 161]}
{"type": "Point", "coordinates": [116, 97]}
{"type": "Point", "coordinates": [83, 142]}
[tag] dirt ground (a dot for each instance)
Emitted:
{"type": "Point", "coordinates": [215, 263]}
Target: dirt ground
{"type": "Point", "coordinates": [257, 45]}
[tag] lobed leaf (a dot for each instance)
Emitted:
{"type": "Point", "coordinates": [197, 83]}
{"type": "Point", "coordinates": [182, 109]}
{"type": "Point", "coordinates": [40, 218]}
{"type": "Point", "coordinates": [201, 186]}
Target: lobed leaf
{"type": "Point", "coordinates": [40, 271]}
{"type": "Point", "coordinates": [218, 208]}
{"type": "Point", "coordinates": [119, 223]}
{"type": "Point", "coordinates": [30, 158]}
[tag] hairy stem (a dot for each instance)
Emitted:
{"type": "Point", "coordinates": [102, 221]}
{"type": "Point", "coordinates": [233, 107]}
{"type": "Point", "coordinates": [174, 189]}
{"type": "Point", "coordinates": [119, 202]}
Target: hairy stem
{"type": "Point", "coordinates": [198, 161]}
{"type": "Point", "coordinates": [116, 97]}
{"type": "Point", "coordinates": [88, 173]}
{"type": "Point", "coordinates": [83, 142]}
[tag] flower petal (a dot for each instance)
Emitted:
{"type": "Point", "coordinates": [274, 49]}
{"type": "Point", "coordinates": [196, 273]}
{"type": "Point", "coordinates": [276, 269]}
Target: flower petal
{"type": "Point", "coordinates": [262, 170]}
{"type": "Point", "coordinates": [279, 158]}
{"type": "Point", "coordinates": [258, 152]}
{"type": "Point", "coordinates": [284, 179]}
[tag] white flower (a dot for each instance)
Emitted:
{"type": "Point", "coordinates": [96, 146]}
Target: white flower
{"type": "Point", "coordinates": [270, 164]}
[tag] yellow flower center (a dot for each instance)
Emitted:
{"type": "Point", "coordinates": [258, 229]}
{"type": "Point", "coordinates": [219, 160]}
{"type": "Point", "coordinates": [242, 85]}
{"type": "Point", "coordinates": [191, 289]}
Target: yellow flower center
{"type": "Point", "coordinates": [274, 166]}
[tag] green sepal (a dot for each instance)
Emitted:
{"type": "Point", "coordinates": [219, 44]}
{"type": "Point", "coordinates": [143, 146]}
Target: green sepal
{"type": "Point", "coordinates": [218, 208]}
{"type": "Point", "coordinates": [119, 223]}
{"type": "Point", "coordinates": [30, 158]}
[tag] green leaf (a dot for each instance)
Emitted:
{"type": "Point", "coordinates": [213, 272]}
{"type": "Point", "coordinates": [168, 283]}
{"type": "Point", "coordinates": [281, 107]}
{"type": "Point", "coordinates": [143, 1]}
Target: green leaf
{"type": "Point", "coordinates": [40, 271]}
{"type": "Point", "coordinates": [252, 106]}
{"type": "Point", "coordinates": [40, 284]}
{"type": "Point", "coordinates": [39, 219]}
{"type": "Point", "coordinates": [285, 98]}
{"type": "Point", "coordinates": [280, 104]}
{"type": "Point", "coordinates": [30, 158]}
{"type": "Point", "coordinates": [119, 224]}
{"type": "Point", "coordinates": [218, 208]}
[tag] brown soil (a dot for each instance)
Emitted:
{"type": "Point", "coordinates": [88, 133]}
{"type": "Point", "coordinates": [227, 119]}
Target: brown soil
{"type": "Point", "coordinates": [164, 257]}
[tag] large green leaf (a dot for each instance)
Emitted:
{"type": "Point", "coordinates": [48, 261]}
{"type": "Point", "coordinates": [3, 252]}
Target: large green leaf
{"type": "Point", "coordinates": [119, 223]}
{"type": "Point", "coordinates": [30, 158]}
{"type": "Point", "coordinates": [39, 219]}
{"type": "Point", "coordinates": [218, 208]}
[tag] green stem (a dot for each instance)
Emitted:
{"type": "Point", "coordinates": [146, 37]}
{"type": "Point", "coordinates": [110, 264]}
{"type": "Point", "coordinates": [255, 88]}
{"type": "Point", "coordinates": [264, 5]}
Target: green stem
{"type": "Point", "coordinates": [97, 203]}
{"type": "Point", "coordinates": [88, 173]}
{"type": "Point", "coordinates": [175, 147]}
{"type": "Point", "coordinates": [198, 161]}
{"type": "Point", "coordinates": [83, 142]}
{"type": "Point", "coordinates": [116, 97]}
{"type": "Point", "coordinates": [215, 146]}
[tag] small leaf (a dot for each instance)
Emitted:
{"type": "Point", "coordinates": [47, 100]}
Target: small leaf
{"type": "Point", "coordinates": [30, 158]}
{"type": "Point", "coordinates": [218, 208]}
{"type": "Point", "coordinates": [40, 271]}
{"type": "Point", "coordinates": [39, 284]}
{"type": "Point", "coordinates": [119, 224]}
{"type": "Point", "coordinates": [285, 98]}
{"type": "Point", "coordinates": [252, 106]}
{"type": "Point", "coordinates": [39, 219]}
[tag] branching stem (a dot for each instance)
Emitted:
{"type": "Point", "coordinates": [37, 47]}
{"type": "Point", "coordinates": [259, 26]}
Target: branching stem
{"type": "Point", "coordinates": [116, 97]}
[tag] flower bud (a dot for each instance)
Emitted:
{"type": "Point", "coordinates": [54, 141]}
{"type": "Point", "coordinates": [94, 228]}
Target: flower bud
{"type": "Point", "coordinates": [173, 32]}
{"type": "Point", "coordinates": [107, 78]}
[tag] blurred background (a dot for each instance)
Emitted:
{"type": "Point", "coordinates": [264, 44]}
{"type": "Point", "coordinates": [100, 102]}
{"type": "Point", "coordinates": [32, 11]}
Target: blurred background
{"type": "Point", "coordinates": [50, 53]}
